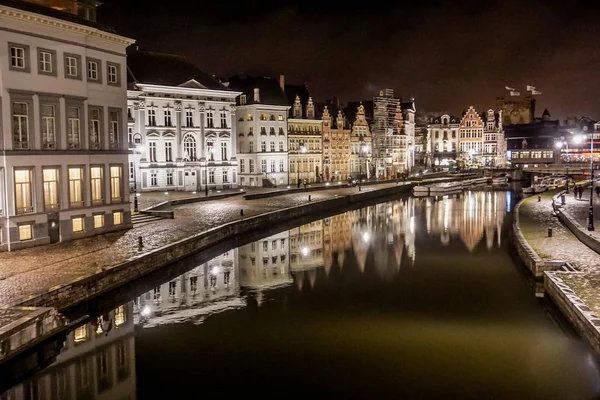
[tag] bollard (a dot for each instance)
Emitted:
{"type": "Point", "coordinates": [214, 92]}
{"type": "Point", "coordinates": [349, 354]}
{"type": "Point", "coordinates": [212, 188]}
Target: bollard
{"type": "Point", "coordinates": [539, 198]}
{"type": "Point", "coordinates": [140, 244]}
{"type": "Point", "coordinates": [241, 212]}
{"type": "Point", "coordinates": [549, 232]}
{"type": "Point", "coordinates": [309, 197]}
{"type": "Point", "coordinates": [562, 199]}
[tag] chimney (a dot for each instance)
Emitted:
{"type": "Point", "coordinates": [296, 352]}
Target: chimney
{"type": "Point", "coordinates": [256, 95]}
{"type": "Point", "coordinates": [282, 82]}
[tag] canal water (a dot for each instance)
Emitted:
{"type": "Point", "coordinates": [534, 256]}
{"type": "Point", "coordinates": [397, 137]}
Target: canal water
{"type": "Point", "coordinates": [418, 298]}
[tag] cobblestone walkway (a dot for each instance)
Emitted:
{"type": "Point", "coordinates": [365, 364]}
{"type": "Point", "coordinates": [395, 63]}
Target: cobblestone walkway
{"type": "Point", "coordinates": [535, 218]}
{"type": "Point", "coordinates": [31, 271]}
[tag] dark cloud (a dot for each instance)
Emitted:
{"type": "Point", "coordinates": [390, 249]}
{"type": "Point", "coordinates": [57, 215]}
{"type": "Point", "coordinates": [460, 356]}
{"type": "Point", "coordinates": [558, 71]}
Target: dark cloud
{"type": "Point", "coordinates": [446, 54]}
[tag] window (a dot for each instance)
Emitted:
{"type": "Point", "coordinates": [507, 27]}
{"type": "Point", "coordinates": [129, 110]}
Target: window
{"type": "Point", "coordinates": [167, 115]}
{"type": "Point", "coordinates": [80, 334]}
{"type": "Point", "coordinates": [73, 128]}
{"type": "Point", "coordinates": [19, 57]}
{"type": "Point", "coordinates": [272, 165]}
{"type": "Point", "coordinates": [223, 119]}
{"type": "Point", "coordinates": [263, 146]}
{"type": "Point", "coordinates": [281, 133]}
{"type": "Point", "coordinates": [223, 151]}
{"type": "Point", "coordinates": [113, 72]}
{"type": "Point", "coordinates": [210, 119]}
{"type": "Point", "coordinates": [281, 166]}
{"type": "Point", "coordinates": [23, 193]}
{"type": "Point", "coordinates": [77, 224]}
{"type": "Point", "coordinates": [211, 176]}
{"type": "Point", "coordinates": [116, 172]}
{"type": "Point", "coordinates": [151, 117]}
{"type": "Point", "coordinates": [95, 125]}
{"type": "Point", "coordinates": [51, 187]}
{"type": "Point", "coordinates": [169, 151]}
{"type": "Point", "coordinates": [20, 125]}
{"type": "Point", "coordinates": [98, 221]}
{"type": "Point", "coordinates": [242, 166]}
{"type": "Point", "coordinates": [169, 179]}
{"type": "Point", "coordinates": [263, 117]}
{"type": "Point", "coordinates": [225, 176]}
{"type": "Point", "coordinates": [119, 316]}
{"type": "Point", "coordinates": [189, 118]}
{"type": "Point", "coordinates": [72, 66]}
{"type": "Point", "coordinates": [210, 149]}
{"type": "Point", "coordinates": [251, 166]}
{"type": "Point", "coordinates": [113, 134]}
{"type": "Point", "coordinates": [281, 148]}
{"type": "Point", "coordinates": [25, 231]}
{"type": "Point", "coordinates": [48, 127]}
{"type": "Point", "coordinates": [280, 117]}
{"type": "Point", "coordinates": [93, 71]}
{"type": "Point", "coordinates": [75, 187]}
{"type": "Point", "coordinates": [46, 62]}
{"type": "Point", "coordinates": [272, 131]}
{"type": "Point", "coordinates": [250, 117]}
{"type": "Point", "coordinates": [117, 217]}
{"type": "Point", "coordinates": [263, 165]}
{"type": "Point", "coordinates": [96, 181]}
{"type": "Point", "coordinates": [152, 151]}
{"type": "Point", "coordinates": [189, 147]}
{"type": "Point", "coordinates": [251, 147]}
{"type": "Point", "coordinates": [153, 179]}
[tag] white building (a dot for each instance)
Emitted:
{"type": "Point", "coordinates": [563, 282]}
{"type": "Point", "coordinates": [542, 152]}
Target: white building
{"type": "Point", "coordinates": [181, 126]}
{"type": "Point", "coordinates": [63, 152]}
{"type": "Point", "coordinates": [442, 140]}
{"type": "Point", "coordinates": [262, 139]}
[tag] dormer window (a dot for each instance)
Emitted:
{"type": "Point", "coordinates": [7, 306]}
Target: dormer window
{"type": "Point", "coordinates": [242, 99]}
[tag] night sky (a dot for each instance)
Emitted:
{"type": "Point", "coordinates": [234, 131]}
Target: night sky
{"type": "Point", "coordinates": [446, 54]}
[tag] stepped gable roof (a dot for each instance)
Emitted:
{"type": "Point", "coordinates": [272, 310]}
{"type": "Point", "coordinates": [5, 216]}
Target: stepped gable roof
{"type": "Point", "coordinates": [269, 90]}
{"type": "Point", "coordinates": [168, 70]}
{"type": "Point", "coordinates": [291, 91]}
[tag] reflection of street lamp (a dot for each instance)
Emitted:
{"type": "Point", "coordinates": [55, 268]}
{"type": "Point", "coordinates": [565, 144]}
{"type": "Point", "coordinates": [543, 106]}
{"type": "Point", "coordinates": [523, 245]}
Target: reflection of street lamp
{"type": "Point", "coordinates": [303, 149]}
{"type": "Point", "coordinates": [211, 150]}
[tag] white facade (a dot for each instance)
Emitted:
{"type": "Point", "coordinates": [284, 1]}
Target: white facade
{"type": "Point", "coordinates": [443, 140]}
{"type": "Point", "coordinates": [262, 144]}
{"type": "Point", "coordinates": [63, 149]}
{"type": "Point", "coordinates": [181, 138]}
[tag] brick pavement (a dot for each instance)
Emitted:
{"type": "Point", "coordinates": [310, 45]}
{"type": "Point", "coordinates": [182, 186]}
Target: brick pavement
{"type": "Point", "coordinates": [30, 271]}
{"type": "Point", "coordinates": [535, 218]}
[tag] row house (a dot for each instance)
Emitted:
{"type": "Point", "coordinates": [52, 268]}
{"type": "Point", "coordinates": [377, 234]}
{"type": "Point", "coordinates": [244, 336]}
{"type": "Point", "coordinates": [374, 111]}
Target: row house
{"type": "Point", "coordinates": [63, 101]}
{"type": "Point", "coordinates": [336, 147]}
{"type": "Point", "coordinates": [182, 126]}
{"type": "Point", "coordinates": [262, 139]}
{"type": "Point", "coordinates": [481, 138]}
{"type": "Point", "coordinates": [361, 146]}
{"type": "Point", "coordinates": [305, 143]}
{"type": "Point", "coordinates": [442, 142]}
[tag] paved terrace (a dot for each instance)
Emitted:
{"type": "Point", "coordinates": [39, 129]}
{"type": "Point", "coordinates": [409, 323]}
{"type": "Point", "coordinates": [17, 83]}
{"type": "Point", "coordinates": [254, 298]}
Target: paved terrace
{"type": "Point", "coordinates": [35, 270]}
{"type": "Point", "coordinates": [536, 217]}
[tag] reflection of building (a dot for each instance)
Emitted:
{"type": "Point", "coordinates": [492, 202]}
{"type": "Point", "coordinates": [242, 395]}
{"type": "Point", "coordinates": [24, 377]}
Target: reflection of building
{"type": "Point", "coordinates": [209, 288]}
{"type": "Point", "coordinates": [183, 124]}
{"type": "Point", "coordinates": [262, 131]}
{"type": "Point", "coordinates": [97, 362]}
{"type": "Point", "coordinates": [306, 246]}
{"type": "Point", "coordinates": [337, 238]}
{"type": "Point", "coordinates": [265, 263]}
{"type": "Point", "coordinates": [64, 150]}
{"type": "Point", "coordinates": [336, 147]}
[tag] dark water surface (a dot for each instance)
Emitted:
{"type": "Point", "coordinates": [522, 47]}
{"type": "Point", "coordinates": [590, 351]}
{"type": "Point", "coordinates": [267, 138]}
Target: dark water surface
{"type": "Point", "coordinates": [418, 298]}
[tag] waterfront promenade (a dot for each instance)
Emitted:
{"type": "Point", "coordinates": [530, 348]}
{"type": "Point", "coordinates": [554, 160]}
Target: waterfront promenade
{"type": "Point", "coordinates": [31, 271]}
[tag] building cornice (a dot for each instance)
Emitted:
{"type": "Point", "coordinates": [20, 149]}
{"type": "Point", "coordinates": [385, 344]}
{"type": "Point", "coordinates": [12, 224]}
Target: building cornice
{"type": "Point", "coordinates": [187, 91]}
{"type": "Point", "coordinates": [21, 15]}
{"type": "Point", "coordinates": [264, 106]}
{"type": "Point", "coordinates": [305, 120]}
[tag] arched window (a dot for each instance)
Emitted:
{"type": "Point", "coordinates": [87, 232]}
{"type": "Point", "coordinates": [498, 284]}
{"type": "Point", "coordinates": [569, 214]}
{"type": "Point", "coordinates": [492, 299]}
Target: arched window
{"type": "Point", "coordinates": [189, 147]}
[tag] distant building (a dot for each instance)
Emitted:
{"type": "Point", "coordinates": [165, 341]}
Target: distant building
{"type": "Point", "coordinates": [336, 147]}
{"type": "Point", "coordinates": [182, 126]}
{"type": "Point", "coordinates": [481, 139]}
{"type": "Point", "coordinates": [262, 118]}
{"type": "Point", "coordinates": [64, 158]}
{"type": "Point", "coordinates": [516, 112]}
{"type": "Point", "coordinates": [361, 146]}
{"type": "Point", "coordinates": [305, 137]}
{"type": "Point", "coordinates": [443, 140]}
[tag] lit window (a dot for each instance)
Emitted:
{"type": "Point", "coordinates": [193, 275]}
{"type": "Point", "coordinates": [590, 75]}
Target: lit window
{"type": "Point", "coordinates": [98, 220]}
{"type": "Point", "coordinates": [280, 117]}
{"type": "Point", "coordinates": [75, 187]}
{"type": "Point", "coordinates": [50, 179]}
{"type": "Point", "coordinates": [80, 334]}
{"type": "Point", "coordinates": [96, 180]}
{"type": "Point", "coordinates": [117, 218]}
{"type": "Point", "coordinates": [23, 195]}
{"type": "Point", "coordinates": [26, 232]}
{"type": "Point", "coordinates": [78, 224]}
{"type": "Point", "coordinates": [119, 316]}
{"type": "Point", "coordinates": [115, 183]}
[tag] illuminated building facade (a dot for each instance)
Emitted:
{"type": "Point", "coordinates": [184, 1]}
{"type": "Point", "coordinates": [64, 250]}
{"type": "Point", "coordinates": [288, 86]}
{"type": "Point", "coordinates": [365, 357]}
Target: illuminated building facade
{"type": "Point", "coordinates": [182, 126]}
{"type": "Point", "coordinates": [361, 146]}
{"type": "Point", "coordinates": [443, 140]}
{"type": "Point", "coordinates": [305, 143]}
{"type": "Point", "coordinates": [481, 139]}
{"type": "Point", "coordinates": [64, 158]}
{"type": "Point", "coordinates": [336, 147]}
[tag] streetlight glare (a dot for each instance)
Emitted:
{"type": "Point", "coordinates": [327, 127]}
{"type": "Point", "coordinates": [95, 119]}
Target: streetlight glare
{"type": "Point", "coordinates": [577, 139]}
{"type": "Point", "coordinates": [558, 145]}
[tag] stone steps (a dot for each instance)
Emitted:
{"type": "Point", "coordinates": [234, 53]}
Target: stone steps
{"type": "Point", "coordinates": [138, 219]}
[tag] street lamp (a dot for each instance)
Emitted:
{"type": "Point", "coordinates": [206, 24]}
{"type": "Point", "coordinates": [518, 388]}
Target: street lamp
{"type": "Point", "coordinates": [137, 150]}
{"type": "Point", "coordinates": [559, 144]}
{"type": "Point", "coordinates": [211, 151]}
{"type": "Point", "coordinates": [303, 149]}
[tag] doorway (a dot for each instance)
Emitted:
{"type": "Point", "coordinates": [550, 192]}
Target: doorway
{"type": "Point", "coordinates": [190, 181]}
{"type": "Point", "coordinates": [53, 227]}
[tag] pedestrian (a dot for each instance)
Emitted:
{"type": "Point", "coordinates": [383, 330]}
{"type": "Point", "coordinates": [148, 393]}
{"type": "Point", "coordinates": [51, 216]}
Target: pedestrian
{"type": "Point", "coordinates": [299, 183]}
{"type": "Point", "coordinates": [598, 191]}
{"type": "Point", "coordinates": [580, 192]}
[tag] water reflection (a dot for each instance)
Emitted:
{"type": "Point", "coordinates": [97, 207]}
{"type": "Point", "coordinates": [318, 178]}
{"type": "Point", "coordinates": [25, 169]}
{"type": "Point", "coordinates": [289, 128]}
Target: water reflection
{"type": "Point", "coordinates": [97, 361]}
